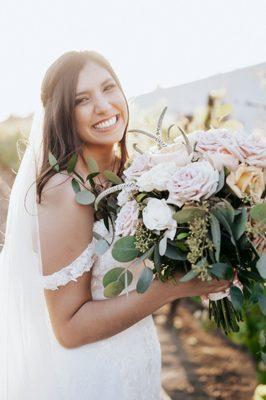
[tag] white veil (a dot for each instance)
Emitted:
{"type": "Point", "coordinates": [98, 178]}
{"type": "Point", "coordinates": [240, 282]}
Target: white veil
{"type": "Point", "coordinates": [27, 370]}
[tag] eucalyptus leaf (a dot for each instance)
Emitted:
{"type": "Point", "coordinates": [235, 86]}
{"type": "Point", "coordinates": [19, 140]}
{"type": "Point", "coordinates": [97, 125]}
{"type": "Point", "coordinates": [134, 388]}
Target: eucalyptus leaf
{"type": "Point", "coordinates": [182, 235]}
{"type": "Point", "coordinates": [174, 253]}
{"type": "Point", "coordinates": [222, 270]}
{"type": "Point", "coordinates": [157, 258]}
{"type": "Point", "coordinates": [72, 163]}
{"type": "Point", "coordinates": [53, 162]}
{"type": "Point", "coordinates": [112, 177]}
{"type": "Point", "coordinates": [124, 249]}
{"type": "Point", "coordinates": [75, 185]}
{"type": "Point", "coordinates": [112, 275]}
{"type": "Point", "coordinates": [85, 197]}
{"type": "Point", "coordinates": [187, 214]}
{"type": "Point", "coordinates": [262, 304]}
{"type": "Point", "coordinates": [236, 298]}
{"type": "Point", "coordinates": [240, 224]}
{"type": "Point", "coordinates": [92, 165]}
{"type": "Point", "coordinates": [261, 266]}
{"type": "Point", "coordinates": [258, 213]}
{"type": "Point", "coordinates": [101, 247]}
{"type": "Point", "coordinates": [216, 236]}
{"type": "Point", "coordinates": [189, 275]}
{"type": "Point", "coordinates": [218, 213]}
{"type": "Point", "coordinates": [113, 289]}
{"type": "Point", "coordinates": [144, 280]}
{"type": "Point", "coordinates": [263, 357]}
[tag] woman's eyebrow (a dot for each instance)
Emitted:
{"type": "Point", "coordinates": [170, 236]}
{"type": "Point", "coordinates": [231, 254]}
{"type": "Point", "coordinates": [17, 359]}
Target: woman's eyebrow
{"type": "Point", "coordinates": [87, 91]}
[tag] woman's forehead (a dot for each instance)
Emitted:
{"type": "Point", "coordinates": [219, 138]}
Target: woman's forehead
{"type": "Point", "coordinates": [92, 76]}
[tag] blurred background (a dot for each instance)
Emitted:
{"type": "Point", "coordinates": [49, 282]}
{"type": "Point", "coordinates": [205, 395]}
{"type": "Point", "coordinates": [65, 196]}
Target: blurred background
{"type": "Point", "coordinates": [201, 60]}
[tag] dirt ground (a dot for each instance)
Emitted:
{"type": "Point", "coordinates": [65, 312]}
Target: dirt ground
{"type": "Point", "coordinates": [201, 365]}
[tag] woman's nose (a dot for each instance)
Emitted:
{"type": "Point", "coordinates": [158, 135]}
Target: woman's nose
{"type": "Point", "coordinates": [101, 104]}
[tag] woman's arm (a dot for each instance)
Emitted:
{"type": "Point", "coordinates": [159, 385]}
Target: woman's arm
{"type": "Point", "coordinates": [65, 231]}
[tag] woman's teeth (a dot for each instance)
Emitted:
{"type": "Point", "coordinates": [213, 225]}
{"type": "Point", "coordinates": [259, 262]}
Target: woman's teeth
{"type": "Point", "coordinates": [106, 124]}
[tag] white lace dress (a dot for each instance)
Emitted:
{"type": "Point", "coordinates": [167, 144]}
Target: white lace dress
{"type": "Point", "coordinates": [126, 366]}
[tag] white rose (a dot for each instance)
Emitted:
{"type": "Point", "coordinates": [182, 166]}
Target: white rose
{"type": "Point", "coordinates": [127, 219]}
{"type": "Point", "coordinates": [157, 177]}
{"type": "Point", "coordinates": [174, 152]}
{"type": "Point", "coordinates": [140, 164]}
{"type": "Point", "coordinates": [193, 182]}
{"type": "Point", "coordinates": [124, 196]}
{"type": "Point", "coordinates": [158, 215]}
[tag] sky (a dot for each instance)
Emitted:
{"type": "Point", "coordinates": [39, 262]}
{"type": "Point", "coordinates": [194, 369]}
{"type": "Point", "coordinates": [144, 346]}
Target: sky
{"type": "Point", "coordinates": [148, 42]}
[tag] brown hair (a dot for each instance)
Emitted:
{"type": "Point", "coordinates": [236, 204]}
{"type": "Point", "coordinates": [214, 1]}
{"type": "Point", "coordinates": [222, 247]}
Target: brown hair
{"type": "Point", "coordinates": [58, 97]}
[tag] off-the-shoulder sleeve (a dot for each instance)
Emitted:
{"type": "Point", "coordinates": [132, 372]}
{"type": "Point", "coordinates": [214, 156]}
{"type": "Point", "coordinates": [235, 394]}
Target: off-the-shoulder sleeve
{"type": "Point", "coordinates": [74, 270]}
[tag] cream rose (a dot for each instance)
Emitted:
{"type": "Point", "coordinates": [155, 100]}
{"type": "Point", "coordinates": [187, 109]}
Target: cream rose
{"type": "Point", "coordinates": [127, 219]}
{"type": "Point", "coordinates": [193, 182]}
{"type": "Point", "coordinates": [247, 180]}
{"type": "Point", "coordinates": [157, 177]}
{"type": "Point", "coordinates": [158, 215]}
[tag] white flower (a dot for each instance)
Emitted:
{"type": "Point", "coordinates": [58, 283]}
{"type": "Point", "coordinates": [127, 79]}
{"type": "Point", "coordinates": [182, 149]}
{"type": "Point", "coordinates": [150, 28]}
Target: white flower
{"type": "Point", "coordinates": [174, 152]}
{"type": "Point", "coordinates": [158, 215]}
{"type": "Point", "coordinates": [193, 182]}
{"type": "Point", "coordinates": [140, 164]}
{"type": "Point", "coordinates": [157, 177]}
{"type": "Point", "coordinates": [124, 196]}
{"type": "Point", "coordinates": [127, 219]}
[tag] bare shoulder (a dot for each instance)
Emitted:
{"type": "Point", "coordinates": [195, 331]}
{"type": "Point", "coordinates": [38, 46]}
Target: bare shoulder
{"type": "Point", "coordinates": [65, 226]}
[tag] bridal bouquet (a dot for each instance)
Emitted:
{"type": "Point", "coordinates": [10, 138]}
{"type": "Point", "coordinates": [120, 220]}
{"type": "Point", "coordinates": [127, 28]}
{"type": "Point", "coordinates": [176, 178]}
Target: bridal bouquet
{"type": "Point", "coordinates": [196, 206]}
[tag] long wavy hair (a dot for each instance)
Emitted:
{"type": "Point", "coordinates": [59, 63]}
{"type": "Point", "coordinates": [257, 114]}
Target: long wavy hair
{"type": "Point", "coordinates": [58, 98]}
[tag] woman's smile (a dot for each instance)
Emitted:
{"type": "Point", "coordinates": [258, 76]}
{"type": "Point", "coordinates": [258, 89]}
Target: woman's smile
{"type": "Point", "coordinates": [106, 125]}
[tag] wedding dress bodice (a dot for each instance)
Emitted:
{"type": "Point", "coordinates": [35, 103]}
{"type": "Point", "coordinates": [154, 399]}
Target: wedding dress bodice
{"type": "Point", "coordinates": [126, 366]}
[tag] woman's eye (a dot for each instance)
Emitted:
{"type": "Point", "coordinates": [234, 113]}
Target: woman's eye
{"type": "Point", "coordinates": [110, 86]}
{"type": "Point", "coordinates": [82, 100]}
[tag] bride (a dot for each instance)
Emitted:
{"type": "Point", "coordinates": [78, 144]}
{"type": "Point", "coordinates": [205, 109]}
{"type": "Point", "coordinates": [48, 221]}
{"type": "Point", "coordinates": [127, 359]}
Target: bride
{"type": "Point", "coordinates": [61, 339]}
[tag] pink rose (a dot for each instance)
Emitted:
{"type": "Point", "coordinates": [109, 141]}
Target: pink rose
{"type": "Point", "coordinates": [173, 152]}
{"type": "Point", "coordinates": [220, 147]}
{"type": "Point", "coordinates": [193, 182]}
{"type": "Point", "coordinates": [254, 150]}
{"type": "Point", "coordinates": [127, 219]}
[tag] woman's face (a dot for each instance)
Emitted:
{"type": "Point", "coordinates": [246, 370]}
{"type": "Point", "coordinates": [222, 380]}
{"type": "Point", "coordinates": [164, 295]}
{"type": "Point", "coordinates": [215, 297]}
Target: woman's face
{"type": "Point", "coordinates": [100, 107]}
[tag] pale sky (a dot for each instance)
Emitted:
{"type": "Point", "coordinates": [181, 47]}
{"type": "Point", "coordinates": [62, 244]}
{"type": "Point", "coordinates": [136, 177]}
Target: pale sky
{"type": "Point", "coordinates": [148, 42]}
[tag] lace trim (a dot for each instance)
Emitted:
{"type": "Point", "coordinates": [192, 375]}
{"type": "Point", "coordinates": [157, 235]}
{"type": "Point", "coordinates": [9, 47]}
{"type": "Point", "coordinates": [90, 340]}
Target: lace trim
{"type": "Point", "coordinates": [71, 272]}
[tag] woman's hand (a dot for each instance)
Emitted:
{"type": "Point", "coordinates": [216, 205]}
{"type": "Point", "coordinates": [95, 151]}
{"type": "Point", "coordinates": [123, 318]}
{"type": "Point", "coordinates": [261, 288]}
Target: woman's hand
{"type": "Point", "coordinates": [194, 287]}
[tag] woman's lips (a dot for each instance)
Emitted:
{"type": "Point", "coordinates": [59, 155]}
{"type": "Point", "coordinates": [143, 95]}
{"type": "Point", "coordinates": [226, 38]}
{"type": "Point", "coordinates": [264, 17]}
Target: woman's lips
{"type": "Point", "coordinates": [109, 128]}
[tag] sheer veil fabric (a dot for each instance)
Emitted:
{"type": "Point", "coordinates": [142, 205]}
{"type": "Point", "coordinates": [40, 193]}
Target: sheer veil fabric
{"type": "Point", "coordinates": [25, 338]}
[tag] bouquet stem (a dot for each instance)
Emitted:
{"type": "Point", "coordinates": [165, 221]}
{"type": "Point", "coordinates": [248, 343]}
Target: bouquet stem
{"type": "Point", "coordinates": [224, 315]}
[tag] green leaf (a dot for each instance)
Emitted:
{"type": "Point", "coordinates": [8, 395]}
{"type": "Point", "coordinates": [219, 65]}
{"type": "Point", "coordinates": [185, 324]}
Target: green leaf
{"type": "Point", "coordinates": [72, 163]}
{"type": "Point", "coordinates": [157, 258]}
{"type": "Point", "coordinates": [187, 214]}
{"type": "Point", "coordinates": [112, 177]}
{"type": "Point", "coordinates": [145, 280]}
{"type": "Point", "coordinates": [101, 247]}
{"type": "Point", "coordinates": [53, 162]}
{"type": "Point", "coordinates": [113, 289]}
{"type": "Point", "coordinates": [258, 213]}
{"type": "Point", "coordinates": [75, 185]}
{"type": "Point", "coordinates": [117, 273]}
{"type": "Point", "coordinates": [216, 236]}
{"type": "Point", "coordinates": [85, 197]}
{"type": "Point", "coordinates": [190, 275]}
{"type": "Point", "coordinates": [140, 197]}
{"type": "Point", "coordinates": [174, 253]}
{"type": "Point", "coordinates": [262, 304]}
{"type": "Point", "coordinates": [261, 266]}
{"type": "Point", "coordinates": [236, 298]}
{"type": "Point", "coordinates": [147, 253]}
{"type": "Point", "coordinates": [240, 223]}
{"type": "Point", "coordinates": [222, 271]}
{"type": "Point", "coordinates": [92, 165]}
{"type": "Point", "coordinates": [124, 249]}
{"type": "Point", "coordinates": [218, 213]}
{"type": "Point", "coordinates": [182, 235]}
{"type": "Point", "coordinates": [163, 245]}
{"type": "Point", "coordinates": [263, 357]}
{"type": "Point", "coordinates": [227, 210]}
